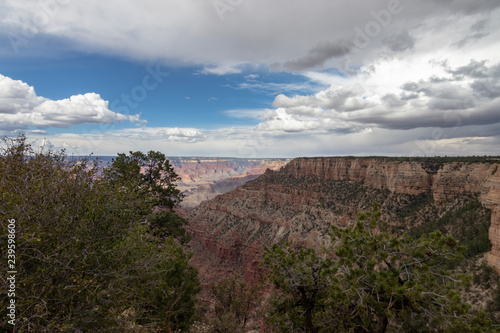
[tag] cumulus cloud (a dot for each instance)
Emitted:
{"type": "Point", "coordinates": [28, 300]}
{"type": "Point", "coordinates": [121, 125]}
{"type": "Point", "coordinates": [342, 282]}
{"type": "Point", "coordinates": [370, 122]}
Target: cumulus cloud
{"type": "Point", "coordinates": [21, 108]}
{"type": "Point", "coordinates": [465, 95]}
{"type": "Point", "coordinates": [335, 98]}
{"type": "Point", "coordinates": [474, 69]}
{"type": "Point", "coordinates": [285, 122]}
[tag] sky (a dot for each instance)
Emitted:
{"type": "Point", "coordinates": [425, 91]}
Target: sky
{"type": "Point", "coordinates": [252, 78]}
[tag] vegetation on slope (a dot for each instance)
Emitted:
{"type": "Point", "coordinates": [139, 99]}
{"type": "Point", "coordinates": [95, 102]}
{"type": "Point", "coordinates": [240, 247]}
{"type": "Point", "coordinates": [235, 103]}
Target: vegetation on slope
{"type": "Point", "coordinates": [468, 223]}
{"type": "Point", "coordinates": [370, 281]}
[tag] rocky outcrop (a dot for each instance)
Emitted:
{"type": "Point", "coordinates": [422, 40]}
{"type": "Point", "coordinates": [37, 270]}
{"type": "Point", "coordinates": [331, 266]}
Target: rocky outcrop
{"type": "Point", "coordinates": [300, 201]}
{"type": "Point", "coordinates": [399, 177]}
{"type": "Point", "coordinates": [446, 180]}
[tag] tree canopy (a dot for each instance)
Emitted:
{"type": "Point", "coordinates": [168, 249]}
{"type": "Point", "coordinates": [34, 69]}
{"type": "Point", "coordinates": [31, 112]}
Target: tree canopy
{"type": "Point", "coordinates": [149, 173]}
{"type": "Point", "coordinates": [87, 256]}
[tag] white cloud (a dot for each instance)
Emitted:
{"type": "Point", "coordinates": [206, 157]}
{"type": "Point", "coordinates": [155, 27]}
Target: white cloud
{"type": "Point", "coordinates": [221, 70]}
{"type": "Point", "coordinates": [21, 108]}
{"type": "Point", "coordinates": [285, 122]}
{"type": "Point", "coordinates": [421, 94]}
{"type": "Point", "coordinates": [274, 88]}
{"type": "Point", "coordinates": [171, 134]}
{"type": "Point", "coordinates": [251, 141]}
{"type": "Point", "coordinates": [252, 76]}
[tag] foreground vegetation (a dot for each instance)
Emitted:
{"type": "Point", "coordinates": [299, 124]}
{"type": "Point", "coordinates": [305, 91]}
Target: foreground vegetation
{"type": "Point", "coordinates": [90, 255]}
{"type": "Point", "coordinates": [102, 251]}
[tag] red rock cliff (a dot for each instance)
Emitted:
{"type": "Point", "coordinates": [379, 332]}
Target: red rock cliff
{"type": "Point", "coordinates": [305, 197]}
{"type": "Point", "coordinates": [446, 180]}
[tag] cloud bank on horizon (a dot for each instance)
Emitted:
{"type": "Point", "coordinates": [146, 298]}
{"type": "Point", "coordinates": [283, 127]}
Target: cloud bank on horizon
{"type": "Point", "coordinates": [398, 77]}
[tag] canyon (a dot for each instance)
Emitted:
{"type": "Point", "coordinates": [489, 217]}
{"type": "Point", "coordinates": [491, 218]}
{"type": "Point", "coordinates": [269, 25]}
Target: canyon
{"type": "Point", "coordinates": [204, 178]}
{"type": "Point", "coordinates": [299, 202]}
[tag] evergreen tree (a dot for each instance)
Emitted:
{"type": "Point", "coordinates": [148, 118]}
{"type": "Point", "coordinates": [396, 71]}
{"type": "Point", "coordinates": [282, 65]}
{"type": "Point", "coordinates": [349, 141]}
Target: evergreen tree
{"type": "Point", "coordinates": [370, 281]}
{"type": "Point", "coordinates": [150, 174]}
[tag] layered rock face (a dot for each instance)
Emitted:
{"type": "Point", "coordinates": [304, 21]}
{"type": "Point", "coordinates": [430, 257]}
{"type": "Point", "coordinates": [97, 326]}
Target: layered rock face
{"type": "Point", "coordinates": [300, 201]}
{"type": "Point", "coordinates": [204, 178]}
{"type": "Point", "coordinates": [446, 181]}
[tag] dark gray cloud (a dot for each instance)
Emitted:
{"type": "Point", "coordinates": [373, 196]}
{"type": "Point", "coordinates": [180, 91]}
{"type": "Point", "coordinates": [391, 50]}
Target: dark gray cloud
{"type": "Point", "coordinates": [466, 6]}
{"type": "Point", "coordinates": [344, 100]}
{"type": "Point", "coordinates": [475, 69]}
{"type": "Point", "coordinates": [392, 101]}
{"type": "Point", "coordinates": [485, 83]}
{"type": "Point", "coordinates": [487, 88]}
{"type": "Point", "coordinates": [473, 130]}
{"type": "Point", "coordinates": [399, 42]}
{"type": "Point", "coordinates": [433, 118]}
{"type": "Point", "coordinates": [477, 32]}
{"type": "Point", "coordinates": [444, 104]}
{"type": "Point", "coordinates": [407, 97]}
{"type": "Point", "coordinates": [444, 108]}
{"type": "Point", "coordinates": [410, 86]}
{"type": "Point", "coordinates": [436, 79]}
{"type": "Point", "coordinates": [318, 55]}
{"type": "Point", "coordinates": [470, 39]}
{"type": "Point", "coordinates": [479, 25]}
{"type": "Point", "coordinates": [486, 78]}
